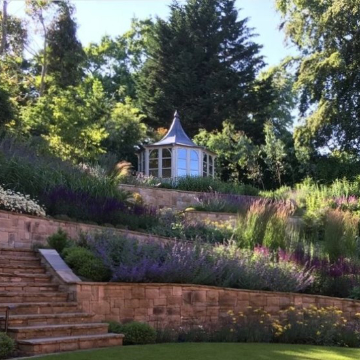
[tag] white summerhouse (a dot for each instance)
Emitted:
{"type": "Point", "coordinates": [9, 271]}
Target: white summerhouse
{"type": "Point", "coordinates": [176, 155]}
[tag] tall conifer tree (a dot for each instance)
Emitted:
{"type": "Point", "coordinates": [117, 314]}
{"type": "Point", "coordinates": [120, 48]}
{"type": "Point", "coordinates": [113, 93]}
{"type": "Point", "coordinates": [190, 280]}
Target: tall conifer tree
{"type": "Point", "coordinates": [66, 54]}
{"type": "Point", "coordinates": [202, 62]}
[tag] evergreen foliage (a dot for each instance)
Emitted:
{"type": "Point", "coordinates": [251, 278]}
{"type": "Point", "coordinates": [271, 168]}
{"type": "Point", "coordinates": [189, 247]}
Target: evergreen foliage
{"type": "Point", "coordinates": [66, 54]}
{"type": "Point", "coordinates": [201, 62]}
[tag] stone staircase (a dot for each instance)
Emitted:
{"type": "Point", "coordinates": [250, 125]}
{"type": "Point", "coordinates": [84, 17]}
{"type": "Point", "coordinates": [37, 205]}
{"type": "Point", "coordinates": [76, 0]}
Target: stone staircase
{"type": "Point", "coordinates": [41, 319]}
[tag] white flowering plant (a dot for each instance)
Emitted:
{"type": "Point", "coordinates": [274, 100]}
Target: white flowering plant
{"type": "Point", "coordinates": [20, 203]}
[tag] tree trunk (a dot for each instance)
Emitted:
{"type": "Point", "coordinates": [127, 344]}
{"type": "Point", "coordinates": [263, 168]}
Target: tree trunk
{"type": "Point", "coordinates": [3, 28]}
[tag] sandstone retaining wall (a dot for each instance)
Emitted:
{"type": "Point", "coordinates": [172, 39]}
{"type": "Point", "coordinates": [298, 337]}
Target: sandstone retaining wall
{"type": "Point", "coordinates": [176, 304]}
{"type": "Point", "coordinates": [22, 231]}
{"type": "Point", "coordinates": [164, 198]}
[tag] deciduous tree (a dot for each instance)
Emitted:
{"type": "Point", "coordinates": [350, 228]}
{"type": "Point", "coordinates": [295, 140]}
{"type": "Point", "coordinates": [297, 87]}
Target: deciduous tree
{"type": "Point", "coordinates": [327, 34]}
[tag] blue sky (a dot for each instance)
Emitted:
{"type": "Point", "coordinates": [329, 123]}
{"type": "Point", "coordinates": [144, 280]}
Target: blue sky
{"type": "Point", "coordinates": [112, 17]}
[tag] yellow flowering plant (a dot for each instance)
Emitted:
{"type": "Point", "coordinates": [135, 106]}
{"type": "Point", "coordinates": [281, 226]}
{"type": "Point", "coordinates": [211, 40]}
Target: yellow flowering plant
{"type": "Point", "coordinates": [311, 325]}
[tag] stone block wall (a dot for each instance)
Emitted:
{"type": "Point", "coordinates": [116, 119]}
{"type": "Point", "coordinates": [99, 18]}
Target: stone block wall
{"type": "Point", "coordinates": [22, 231]}
{"type": "Point", "coordinates": [177, 304]}
{"type": "Point", "coordinates": [164, 198]}
{"type": "Point", "coordinates": [205, 217]}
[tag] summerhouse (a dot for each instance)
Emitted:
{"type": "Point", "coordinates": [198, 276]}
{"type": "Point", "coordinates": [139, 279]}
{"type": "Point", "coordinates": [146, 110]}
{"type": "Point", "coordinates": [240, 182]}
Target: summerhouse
{"type": "Point", "coordinates": [176, 155]}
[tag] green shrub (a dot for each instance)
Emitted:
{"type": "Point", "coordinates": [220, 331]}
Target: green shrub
{"type": "Point", "coordinates": [58, 241]}
{"type": "Point", "coordinates": [85, 264]}
{"type": "Point", "coordinates": [7, 346]}
{"type": "Point", "coordinates": [114, 327]}
{"type": "Point", "coordinates": [136, 333]}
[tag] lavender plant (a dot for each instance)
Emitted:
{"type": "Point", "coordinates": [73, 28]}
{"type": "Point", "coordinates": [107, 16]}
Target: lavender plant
{"type": "Point", "coordinates": [82, 206]}
{"type": "Point", "coordinates": [178, 262]}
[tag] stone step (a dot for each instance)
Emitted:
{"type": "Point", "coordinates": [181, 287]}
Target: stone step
{"type": "Point", "coordinates": [21, 269]}
{"type": "Point", "coordinates": [28, 278]}
{"type": "Point", "coordinates": [19, 260]}
{"type": "Point", "coordinates": [34, 287]}
{"type": "Point", "coordinates": [40, 308]}
{"type": "Point", "coordinates": [17, 252]}
{"type": "Point", "coordinates": [48, 331]}
{"type": "Point", "coordinates": [38, 287]}
{"type": "Point", "coordinates": [69, 343]}
{"type": "Point", "coordinates": [27, 297]}
{"type": "Point", "coordinates": [46, 319]}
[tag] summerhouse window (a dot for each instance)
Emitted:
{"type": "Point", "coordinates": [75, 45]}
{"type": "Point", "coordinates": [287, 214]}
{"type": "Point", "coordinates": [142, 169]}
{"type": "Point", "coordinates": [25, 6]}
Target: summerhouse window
{"type": "Point", "coordinates": [181, 162]}
{"type": "Point", "coordinates": [154, 163]}
{"type": "Point", "coordinates": [166, 163]}
{"type": "Point", "coordinates": [194, 163]}
{"type": "Point", "coordinates": [205, 165]}
{"type": "Point", "coordinates": [211, 165]}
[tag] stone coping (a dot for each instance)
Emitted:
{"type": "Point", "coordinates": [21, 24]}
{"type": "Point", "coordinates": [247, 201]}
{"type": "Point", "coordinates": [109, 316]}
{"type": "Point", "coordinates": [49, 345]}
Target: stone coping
{"type": "Point", "coordinates": [54, 260]}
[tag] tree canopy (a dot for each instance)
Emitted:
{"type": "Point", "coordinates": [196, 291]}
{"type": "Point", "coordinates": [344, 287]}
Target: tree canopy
{"type": "Point", "coordinates": [327, 35]}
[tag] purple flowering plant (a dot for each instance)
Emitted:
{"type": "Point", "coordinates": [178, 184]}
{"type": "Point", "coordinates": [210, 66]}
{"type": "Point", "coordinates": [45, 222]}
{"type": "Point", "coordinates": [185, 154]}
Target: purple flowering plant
{"type": "Point", "coordinates": [83, 206]}
{"type": "Point", "coordinates": [193, 263]}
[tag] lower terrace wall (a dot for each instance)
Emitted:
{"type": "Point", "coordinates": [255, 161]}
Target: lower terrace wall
{"type": "Point", "coordinates": [23, 231]}
{"type": "Point", "coordinates": [177, 304]}
{"type": "Point", "coordinates": [164, 198]}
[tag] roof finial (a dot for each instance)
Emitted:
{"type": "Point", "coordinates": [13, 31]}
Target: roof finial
{"type": "Point", "coordinates": [176, 114]}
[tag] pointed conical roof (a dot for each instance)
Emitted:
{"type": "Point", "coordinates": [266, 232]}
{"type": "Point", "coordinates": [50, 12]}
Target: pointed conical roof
{"type": "Point", "coordinates": [176, 135]}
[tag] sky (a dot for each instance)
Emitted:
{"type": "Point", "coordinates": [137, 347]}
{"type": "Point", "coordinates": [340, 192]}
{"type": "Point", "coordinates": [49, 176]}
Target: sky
{"type": "Point", "coordinates": [113, 17]}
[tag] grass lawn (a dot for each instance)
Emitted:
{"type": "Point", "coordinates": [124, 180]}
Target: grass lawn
{"type": "Point", "coordinates": [211, 351]}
